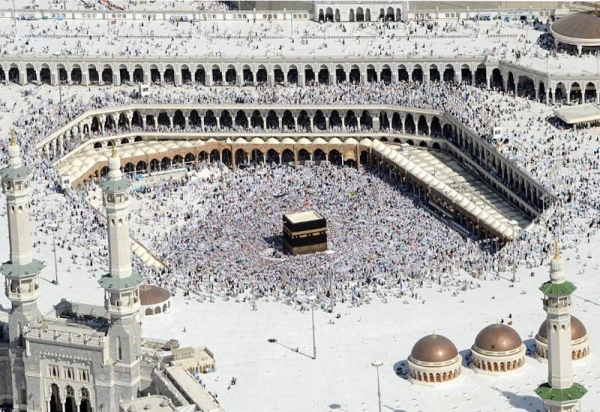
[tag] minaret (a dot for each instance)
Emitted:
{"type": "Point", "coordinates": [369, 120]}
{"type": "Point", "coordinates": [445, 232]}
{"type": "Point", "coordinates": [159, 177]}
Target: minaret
{"type": "Point", "coordinates": [560, 393]}
{"type": "Point", "coordinates": [121, 284]}
{"type": "Point", "coordinates": [21, 272]}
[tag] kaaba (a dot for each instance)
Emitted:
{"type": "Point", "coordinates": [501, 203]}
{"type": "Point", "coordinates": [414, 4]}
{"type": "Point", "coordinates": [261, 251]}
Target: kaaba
{"type": "Point", "coordinates": [304, 232]}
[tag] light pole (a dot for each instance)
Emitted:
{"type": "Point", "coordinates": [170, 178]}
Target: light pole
{"type": "Point", "coordinates": [312, 312]}
{"type": "Point", "coordinates": [514, 224]}
{"type": "Point", "coordinates": [377, 364]}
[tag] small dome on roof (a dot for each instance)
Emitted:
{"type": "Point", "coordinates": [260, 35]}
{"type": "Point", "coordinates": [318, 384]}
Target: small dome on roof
{"type": "Point", "coordinates": [434, 348]}
{"type": "Point", "coordinates": [153, 295]}
{"type": "Point", "coordinates": [498, 338]}
{"type": "Point", "coordinates": [578, 330]}
{"type": "Point", "coordinates": [578, 26]}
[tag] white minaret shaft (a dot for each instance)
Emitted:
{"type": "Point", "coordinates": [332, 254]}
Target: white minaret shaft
{"type": "Point", "coordinates": [116, 203]}
{"type": "Point", "coordinates": [560, 369]}
{"type": "Point", "coordinates": [17, 192]}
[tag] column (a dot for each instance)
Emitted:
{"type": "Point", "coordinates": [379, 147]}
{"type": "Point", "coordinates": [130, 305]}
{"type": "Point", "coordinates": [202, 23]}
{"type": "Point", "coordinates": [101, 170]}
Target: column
{"type": "Point", "coordinates": [295, 123]}
{"type": "Point", "coordinates": [473, 78]}
{"type": "Point", "coordinates": [264, 120]}
{"type": "Point", "coordinates": [363, 77]}
{"type": "Point", "coordinates": [22, 77]}
{"type": "Point", "coordinates": [202, 122]}
{"type": "Point", "coordinates": [208, 78]}
{"type": "Point", "coordinates": [458, 77]}
{"type": "Point", "coordinates": [548, 97]}
{"type": "Point", "coordinates": [488, 79]}
{"type": "Point", "coordinates": [116, 78]}
{"type": "Point", "coordinates": [147, 77]}
{"type": "Point", "coordinates": [300, 78]}
{"type": "Point", "coordinates": [270, 78]}
{"type": "Point", "coordinates": [85, 78]}
{"type": "Point", "coordinates": [280, 119]}
{"type": "Point", "coordinates": [395, 77]}
{"type": "Point", "coordinates": [178, 78]}
{"type": "Point", "coordinates": [429, 127]}
{"type": "Point", "coordinates": [332, 78]}
{"type": "Point", "coordinates": [53, 78]}
{"type": "Point", "coordinates": [403, 121]}
{"type": "Point", "coordinates": [312, 123]}
{"type": "Point", "coordinates": [343, 122]}
{"type": "Point", "coordinates": [569, 94]}
{"type": "Point", "coordinates": [358, 122]}
{"type": "Point", "coordinates": [376, 124]}
{"type": "Point", "coordinates": [326, 122]}
{"type": "Point", "coordinates": [239, 79]}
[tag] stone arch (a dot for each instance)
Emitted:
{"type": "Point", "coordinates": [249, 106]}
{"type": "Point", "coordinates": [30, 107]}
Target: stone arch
{"type": "Point", "coordinates": [288, 121]}
{"type": "Point", "coordinates": [257, 121]}
{"type": "Point", "coordinates": [497, 79]}
{"type": "Point", "coordinates": [230, 75]}
{"type": "Point", "coordinates": [225, 120]}
{"type": "Point", "coordinates": [335, 120]}
{"type": "Point", "coordinates": [366, 121]}
{"type": "Point", "coordinates": [278, 75]}
{"type": "Point", "coordinates": [179, 120]}
{"type": "Point", "coordinates": [590, 92]}
{"type": "Point", "coordinates": [303, 121]}
{"type": "Point", "coordinates": [107, 74]}
{"type": "Point", "coordinates": [194, 121]}
{"type": "Point", "coordinates": [210, 120]}
{"type": "Point", "coordinates": [334, 157]}
{"type": "Point", "coordinates": [45, 77]}
{"type": "Point", "coordinates": [272, 120]}
{"type": "Point", "coordinates": [409, 124]}
{"type": "Point", "coordinates": [526, 87]}
{"type": "Point", "coordinates": [329, 14]}
{"type": "Point", "coordinates": [360, 14]}
{"type": "Point", "coordinates": [434, 73]}
{"type": "Point", "coordinates": [138, 74]}
{"type": "Point", "coordinates": [240, 119]}
{"type": "Point", "coordinates": [261, 74]}
{"type": "Point", "coordinates": [148, 312]}
{"type": "Point", "coordinates": [403, 75]}
{"type": "Point", "coordinates": [386, 74]}
{"type": "Point", "coordinates": [371, 74]}
{"type": "Point", "coordinates": [292, 75]}
{"type": "Point", "coordinates": [287, 156]}
{"type": "Point", "coordinates": [351, 15]}
{"type": "Point", "coordinates": [186, 74]}
{"type": "Point", "coordinates": [272, 156]}
{"type": "Point", "coordinates": [575, 94]}
{"type": "Point", "coordinates": [124, 73]}
{"type": "Point", "coordinates": [351, 120]}
{"type": "Point", "coordinates": [449, 73]}
{"type": "Point", "coordinates": [217, 74]}
{"type": "Point", "coordinates": [417, 73]}
{"type": "Point", "coordinates": [340, 74]}
{"type": "Point", "coordinates": [422, 127]}
{"type": "Point", "coordinates": [319, 120]}
{"type": "Point", "coordinates": [354, 76]}
{"type": "Point", "coordinates": [200, 74]}
{"type": "Point", "coordinates": [436, 127]}
{"type": "Point", "coordinates": [309, 74]}
{"type": "Point", "coordinates": [323, 77]}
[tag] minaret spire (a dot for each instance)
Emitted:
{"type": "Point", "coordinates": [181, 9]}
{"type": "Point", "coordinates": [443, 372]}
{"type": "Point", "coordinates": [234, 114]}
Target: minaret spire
{"type": "Point", "coordinates": [22, 270]}
{"type": "Point", "coordinates": [121, 284]}
{"type": "Point", "coordinates": [560, 393]}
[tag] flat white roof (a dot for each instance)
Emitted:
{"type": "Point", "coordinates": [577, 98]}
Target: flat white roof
{"type": "Point", "coordinates": [580, 113]}
{"type": "Point", "coordinates": [300, 217]}
{"type": "Point", "coordinates": [193, 390]}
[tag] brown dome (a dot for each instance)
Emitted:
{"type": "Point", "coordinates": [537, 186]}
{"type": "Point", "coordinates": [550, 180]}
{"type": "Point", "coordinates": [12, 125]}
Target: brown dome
{"type": "Point", "coordinates": [153, 295]}
{"type": "Point", "coordinates": [578, 26]}
{"type": "Point", "coordinates": [578, 331]}
{"type": "Point", "coordinates": [498, 338]}
{"type": "Point", "coordinates": [434, 348]}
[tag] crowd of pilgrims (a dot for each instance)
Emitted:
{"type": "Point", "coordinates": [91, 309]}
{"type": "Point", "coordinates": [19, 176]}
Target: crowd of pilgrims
{"type": "Point", "coordinates": [218, 233]}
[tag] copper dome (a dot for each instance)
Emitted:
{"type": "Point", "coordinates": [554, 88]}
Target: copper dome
{"type": "Point", "coordinates": [434, 348]}
{"type": "Point", "coordinates": [578, 331]}
{"type": "Point", "coordinates": [578, 26]}
{"type": "Point", "coordinates": [153, 295]}
{"type": "Point", "coordinates": [498, 338]}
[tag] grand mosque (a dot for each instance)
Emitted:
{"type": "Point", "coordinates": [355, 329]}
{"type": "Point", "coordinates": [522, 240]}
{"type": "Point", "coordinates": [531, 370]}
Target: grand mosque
{"type": "Point", "coordinates": [65, 361]}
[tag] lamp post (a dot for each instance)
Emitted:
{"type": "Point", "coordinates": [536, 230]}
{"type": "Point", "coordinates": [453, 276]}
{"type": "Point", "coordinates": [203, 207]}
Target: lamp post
{"type": "Point", "coordinates": [377, 364]}
{"type": "Point", "coordinates": [514, 224]}
{"type": "Point", "coordinates": [312, 312]}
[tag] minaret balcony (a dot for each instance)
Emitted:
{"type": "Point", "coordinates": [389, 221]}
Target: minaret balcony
{"type": "Point", "coordinates": [22, 296]}
{"type": "Point", "coordinates": [123, 310]}
{"type": "Point", "coordinates": [558, 311]}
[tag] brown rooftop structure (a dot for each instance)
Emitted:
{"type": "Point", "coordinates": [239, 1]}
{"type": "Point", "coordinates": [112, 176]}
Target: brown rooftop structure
{"type": "Point", "coordinates": [579, 29]}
